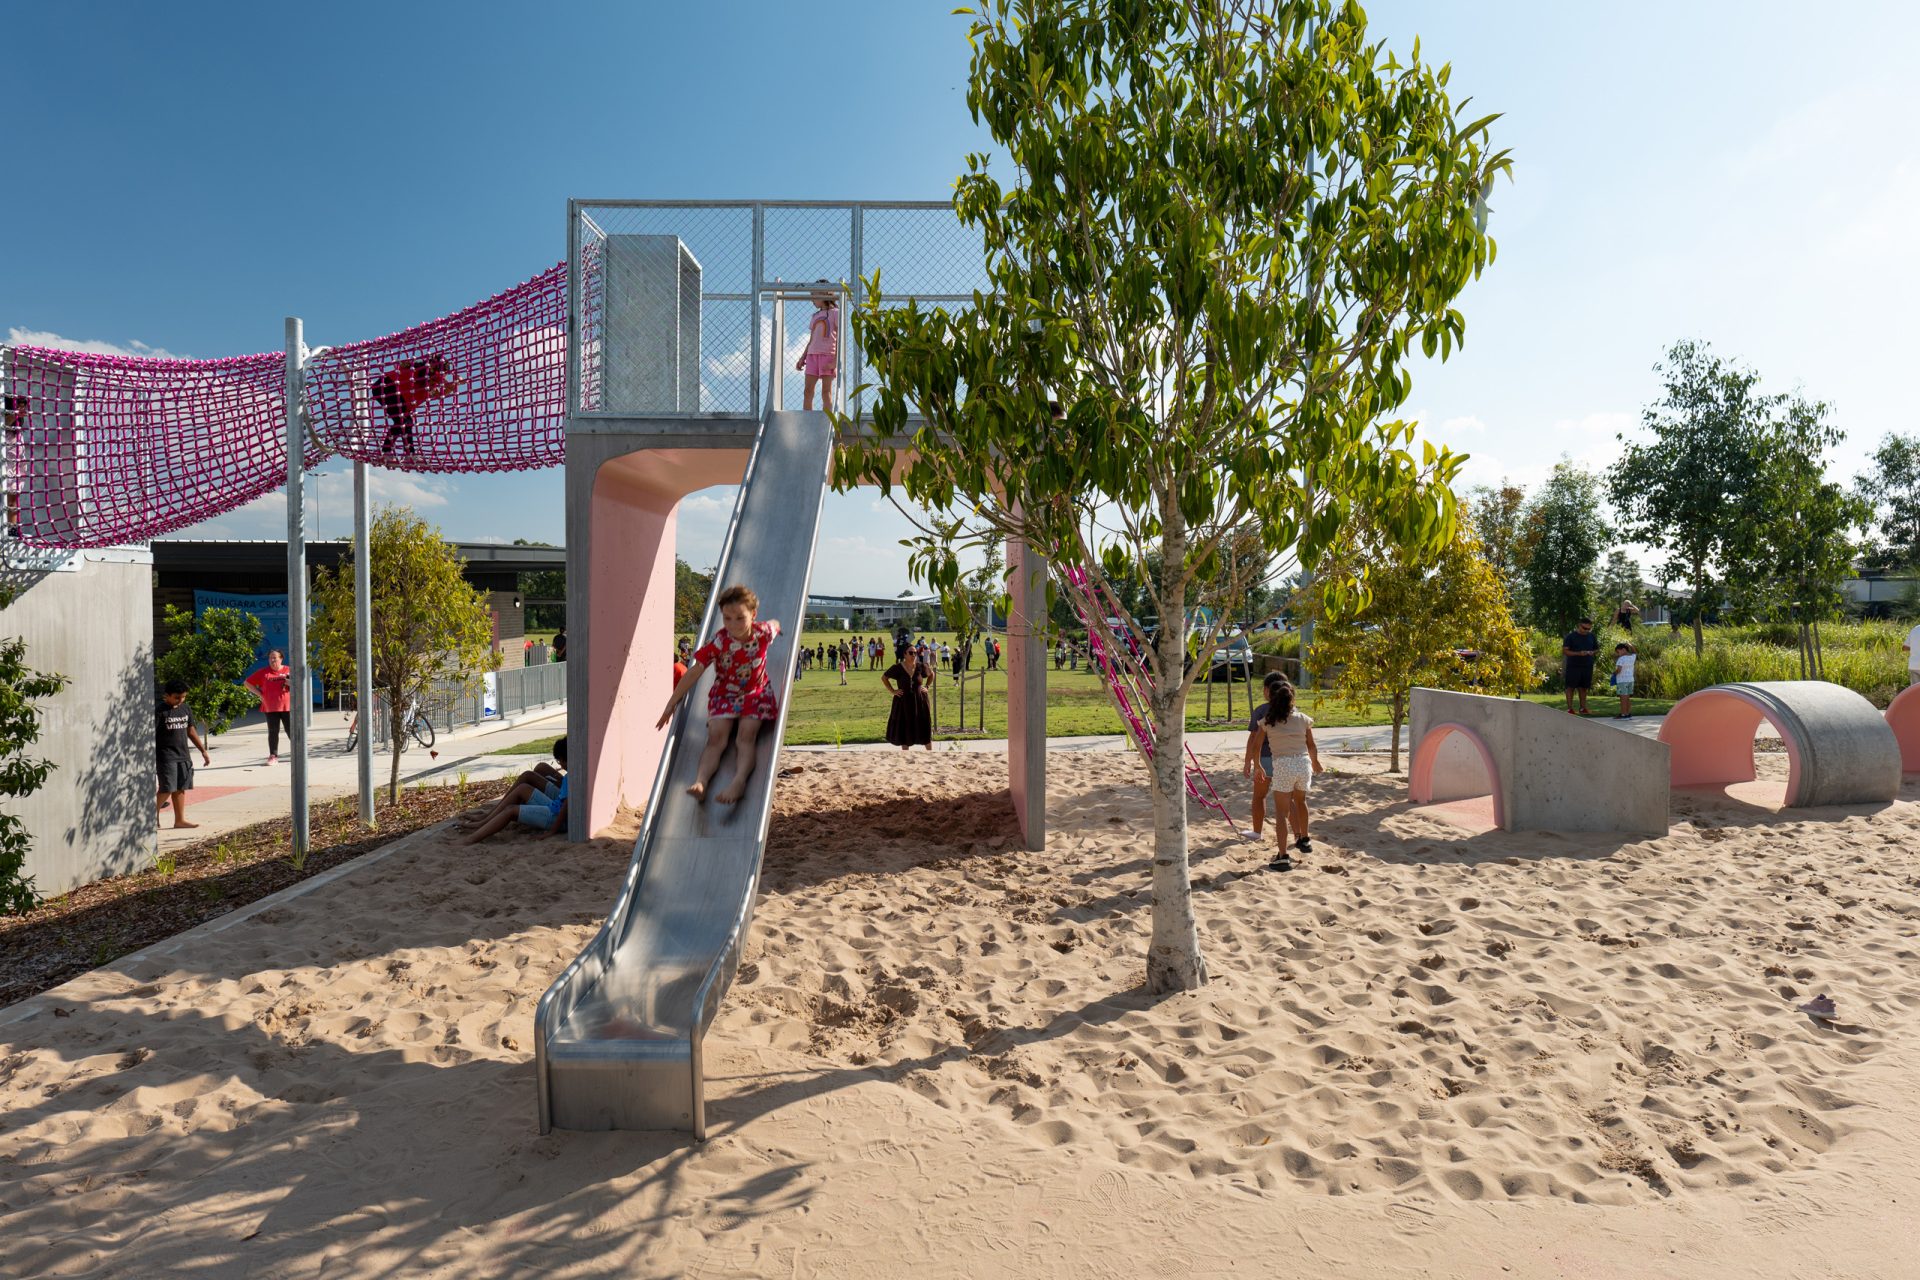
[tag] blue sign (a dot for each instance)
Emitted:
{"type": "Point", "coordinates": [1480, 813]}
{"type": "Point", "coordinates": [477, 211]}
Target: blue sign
{"type": "Point", "coordinates": [272, 613]}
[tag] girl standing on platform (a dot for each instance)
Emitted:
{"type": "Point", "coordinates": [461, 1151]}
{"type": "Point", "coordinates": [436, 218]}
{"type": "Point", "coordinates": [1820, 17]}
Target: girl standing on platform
{"type": "Point", "coordinates": [740, 694]}
{"type": "Point", "coordinates": [823, 348]}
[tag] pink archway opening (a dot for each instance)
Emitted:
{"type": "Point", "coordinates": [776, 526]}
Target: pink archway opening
{"type": "Point", "coordinates": [1903, 717]}
{"type": "Point", "coordinates": [1452, 763]}
{"type": "Point", "coordinates": [1710, 737]}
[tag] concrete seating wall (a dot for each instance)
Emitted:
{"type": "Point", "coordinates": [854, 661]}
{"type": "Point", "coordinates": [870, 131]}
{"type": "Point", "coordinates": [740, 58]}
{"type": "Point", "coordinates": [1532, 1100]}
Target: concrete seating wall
{"type": "Point", "coordinates": [1544, 769]}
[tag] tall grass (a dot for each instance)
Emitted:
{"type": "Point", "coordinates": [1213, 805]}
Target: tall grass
{"type": "Point", "coordinates": [1863, 656]}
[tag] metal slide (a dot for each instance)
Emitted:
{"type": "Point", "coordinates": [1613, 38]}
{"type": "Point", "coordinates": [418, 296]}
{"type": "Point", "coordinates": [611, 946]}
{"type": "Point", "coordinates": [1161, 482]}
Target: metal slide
{"type": "Point", "coordinates": [617, 1037]}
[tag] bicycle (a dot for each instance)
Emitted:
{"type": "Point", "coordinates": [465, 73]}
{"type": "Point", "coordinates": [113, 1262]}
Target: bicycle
{"type": "Point", "coordinates": [416, 725]}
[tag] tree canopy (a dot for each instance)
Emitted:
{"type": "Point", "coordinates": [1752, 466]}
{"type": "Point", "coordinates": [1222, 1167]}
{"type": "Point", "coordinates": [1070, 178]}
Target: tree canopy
{"type": "Point", "coordinates": [430, 629]}
{"type": "Point", "coordinates": [1230, 224]}
{"type": "Point", "coordinates": [211, 655]}
{"type": "Point", "coordinates": [1565, 534]}
{"type": "Point", "coordinates": [1892, 489]}
{"type": "Point", "coordinates": [1438, 622]}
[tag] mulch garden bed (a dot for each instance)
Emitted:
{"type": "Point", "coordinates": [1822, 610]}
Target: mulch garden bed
{"type": "Point", "coordinates": [98, 923]}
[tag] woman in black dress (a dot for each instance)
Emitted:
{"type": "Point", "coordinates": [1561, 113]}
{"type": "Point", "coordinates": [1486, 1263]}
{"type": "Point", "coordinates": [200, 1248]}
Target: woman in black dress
{"type": "Point", "coordinates": [911, 721]}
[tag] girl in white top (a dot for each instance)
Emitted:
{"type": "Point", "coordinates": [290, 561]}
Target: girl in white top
{"type": "Point", "coordinates": [1296, 759]}
{"type": "Point", "coordinates": [1623, 663]}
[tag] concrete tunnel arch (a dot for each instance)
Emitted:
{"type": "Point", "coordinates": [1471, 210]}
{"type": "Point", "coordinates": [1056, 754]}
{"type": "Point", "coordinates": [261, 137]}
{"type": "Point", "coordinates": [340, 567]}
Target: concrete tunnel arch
{"type": "Point", "coordinates": [1840, 750]}
{"type": "Point", "coordinates": [1903, 717]}
{"type": "Point", "coordinates": [1442, 769]}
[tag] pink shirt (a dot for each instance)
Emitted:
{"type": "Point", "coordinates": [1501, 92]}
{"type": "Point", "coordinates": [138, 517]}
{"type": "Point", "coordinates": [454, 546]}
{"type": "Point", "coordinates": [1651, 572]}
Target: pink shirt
{"type": "Point", "coordinates": [823, 332]}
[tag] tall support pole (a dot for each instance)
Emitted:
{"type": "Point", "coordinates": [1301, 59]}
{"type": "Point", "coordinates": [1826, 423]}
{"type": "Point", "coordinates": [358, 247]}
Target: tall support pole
{"type": "Point", "coordinates": [301, 704]}
{"type": "Point", "coordinates": [759, 268]}
{"type": "Point", "coordinates": [363, 635]}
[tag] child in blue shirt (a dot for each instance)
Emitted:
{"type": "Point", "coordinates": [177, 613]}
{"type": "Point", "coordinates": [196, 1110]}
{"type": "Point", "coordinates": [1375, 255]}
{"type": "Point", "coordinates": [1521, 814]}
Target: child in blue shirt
{"type": "Point", "coordinates": [538, 800]}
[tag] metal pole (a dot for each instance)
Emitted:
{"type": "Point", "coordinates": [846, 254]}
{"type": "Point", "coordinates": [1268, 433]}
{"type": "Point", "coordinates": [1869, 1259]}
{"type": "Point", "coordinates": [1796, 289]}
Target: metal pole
{"type": "Point", "coordinates": [363, 635]}
{"type": "Point", "coordinates": [1306, 570]}
{"type": "Point", "coordinates": [850, 374]}
{"type": "Point", "coordinates": [300, 706]}
{"type": "Point", "coordinates": [759, 268]}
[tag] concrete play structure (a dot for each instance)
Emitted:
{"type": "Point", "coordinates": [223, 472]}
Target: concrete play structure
{"type": "Point", "coordinates": [1903, 717]}
{"type": "Point", "coordinates": [1840, 750]}
{"type": "Point", "coordinates": [1544, 769]}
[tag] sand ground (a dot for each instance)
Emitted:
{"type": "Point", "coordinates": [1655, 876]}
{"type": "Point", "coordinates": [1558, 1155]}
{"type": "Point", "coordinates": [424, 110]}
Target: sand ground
{"type": "Point", "coordinates": [1429, 1051]}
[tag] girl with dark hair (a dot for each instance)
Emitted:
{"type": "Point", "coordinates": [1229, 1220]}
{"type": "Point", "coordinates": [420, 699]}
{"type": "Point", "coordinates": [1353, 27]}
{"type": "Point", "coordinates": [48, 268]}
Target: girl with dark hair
{"type": "Point", "coordinates": [1287, 735]}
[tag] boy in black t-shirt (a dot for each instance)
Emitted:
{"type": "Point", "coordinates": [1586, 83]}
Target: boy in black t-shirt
{"type": "Point", "coordinates": [173, 732]}
{"type": "Point", "coordinates": [1580, 649]}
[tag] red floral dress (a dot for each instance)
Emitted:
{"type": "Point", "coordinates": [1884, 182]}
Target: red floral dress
{"type": "Point", "coordinates": [740, 673]}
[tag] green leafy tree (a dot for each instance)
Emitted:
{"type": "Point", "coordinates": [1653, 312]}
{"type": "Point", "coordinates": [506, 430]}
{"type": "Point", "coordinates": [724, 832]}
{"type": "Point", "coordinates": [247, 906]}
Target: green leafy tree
{"type": "Point", "coordinates": [1893, 490]}
{"type": "Point", "coordinates": [1799, 545]}
{"type": "Point", "coordinates": [430, 628]}
{"type": "Point", "coordinates": [22, 689]}
{"type": "Point", "coordinates": [691, 591]}
{"type": "Point", "coordinates": [1419, 617]}
{"type": "Point", "coordinates": [1688, 490]}
{"type": "Point", "coordinates": [1230, 223]}
{"type": "Point", "coordinates": [1565, 536]}
{"type": "Point", "coordinates": [211, 655]}
{"type": "Point", "coordinates": [1497, 515]}
{"type": "Point", "coordinates": [1620, 580]}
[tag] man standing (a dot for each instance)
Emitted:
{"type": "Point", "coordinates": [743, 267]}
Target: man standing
{"type": "Point", "coordinates": [173, 731]}
{"type": "Point", "coordinates": [1580, 648]}
{"type": "Point", "coordinates": [1912, 647]}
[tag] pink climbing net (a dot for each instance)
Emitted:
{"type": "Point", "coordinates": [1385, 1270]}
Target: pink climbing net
{"type": "Point", "coordinates": [483, 389]}
{"type": "Point", "coordinates": [1131, 685]}
{"type": "Point", "coordinates": [103, 450]}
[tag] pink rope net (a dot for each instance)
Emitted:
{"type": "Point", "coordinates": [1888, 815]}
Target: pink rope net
{"type": "Point", "coordinates": [102, 450]}
{"type": "Point", "coordinates": [1131, 685]}
{"type": "Point", "coordinates": [483, 389]}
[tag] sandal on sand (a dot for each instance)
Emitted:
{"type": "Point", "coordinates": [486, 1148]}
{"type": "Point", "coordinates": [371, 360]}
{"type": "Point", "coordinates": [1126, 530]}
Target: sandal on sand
{"type": "Point", "coordinates": [1821, 1007]}
{"type": "Point", "coordinates": [1281, 863]}
{"type": "Point", "coordinates": [1304, 844]}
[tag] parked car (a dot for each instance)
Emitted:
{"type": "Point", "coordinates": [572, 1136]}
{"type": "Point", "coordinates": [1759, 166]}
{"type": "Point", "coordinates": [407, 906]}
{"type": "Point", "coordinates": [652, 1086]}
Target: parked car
{"type": "Point", "coordinates": [1232, 660]}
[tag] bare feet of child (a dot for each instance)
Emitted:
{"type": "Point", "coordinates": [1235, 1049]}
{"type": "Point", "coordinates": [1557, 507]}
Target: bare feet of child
{"type": "Point", "coordinates": [185, 826]}
{"type": "Point", "coordinates": [730, 796]}
{"type": "Point", "coordinates": [698, 791]}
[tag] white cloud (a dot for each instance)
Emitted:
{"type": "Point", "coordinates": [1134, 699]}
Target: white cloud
{"type": "Point", "coordinates": [703, 504]}
{"type": "Point", "coordinates": [406, 489]}
{"type": "Point", "coordinates": [18, 337]}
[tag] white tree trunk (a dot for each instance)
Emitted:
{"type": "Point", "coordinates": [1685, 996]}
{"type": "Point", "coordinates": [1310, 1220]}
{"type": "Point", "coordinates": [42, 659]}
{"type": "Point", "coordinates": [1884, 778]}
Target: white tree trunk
{"type": "Point", "coordinates": [1174, 962]}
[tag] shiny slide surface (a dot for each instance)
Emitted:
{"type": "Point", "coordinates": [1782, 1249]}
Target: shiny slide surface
{"type": "Point", "coordinates": [618, 1036]}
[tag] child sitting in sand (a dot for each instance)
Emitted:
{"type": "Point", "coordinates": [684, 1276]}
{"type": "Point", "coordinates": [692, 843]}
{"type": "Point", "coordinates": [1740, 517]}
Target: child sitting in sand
{"type": "Point", "coordinates": [740, 693]}
{"type": "Point", "coordinates": [1623, 662]}
{"type": "Point", "coordinates": [537, 800]}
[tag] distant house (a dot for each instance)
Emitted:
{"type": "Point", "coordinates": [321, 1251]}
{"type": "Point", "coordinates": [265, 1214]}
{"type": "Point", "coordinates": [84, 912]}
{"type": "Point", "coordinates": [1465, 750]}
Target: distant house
{"type": "Point", "coordinates": [1876, 594]}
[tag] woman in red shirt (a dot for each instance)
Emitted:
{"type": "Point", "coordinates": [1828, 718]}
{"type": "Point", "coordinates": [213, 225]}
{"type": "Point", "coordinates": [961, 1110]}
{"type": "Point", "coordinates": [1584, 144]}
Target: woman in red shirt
{"type": "Point", "coordinates": [274, 684]}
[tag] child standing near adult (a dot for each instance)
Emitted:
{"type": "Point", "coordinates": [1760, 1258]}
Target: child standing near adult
{"type": "Point", "coordinates": [1623, 664]}
{"type": "Point", "coordinates": [820, 363]}
{"type": "Point", "coordinates": [1296, 759]}
{"type": "Point", "coordinates": [173, 731]}
{"type": "Point", "coordinates": [273, 683]}
{"type": "Point", "coordinates": [740, 694]}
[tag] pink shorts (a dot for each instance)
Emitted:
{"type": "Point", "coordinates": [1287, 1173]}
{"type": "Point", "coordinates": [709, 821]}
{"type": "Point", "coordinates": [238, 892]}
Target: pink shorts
{"type": "Point", "coordinates": [756, 704]}
{"type": "Point", "coordinates": [819, 366]}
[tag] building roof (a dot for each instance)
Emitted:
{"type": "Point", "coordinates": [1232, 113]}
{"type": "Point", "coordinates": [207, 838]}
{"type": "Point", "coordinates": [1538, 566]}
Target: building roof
{"type": "Point", "coordinates": [267, 555]}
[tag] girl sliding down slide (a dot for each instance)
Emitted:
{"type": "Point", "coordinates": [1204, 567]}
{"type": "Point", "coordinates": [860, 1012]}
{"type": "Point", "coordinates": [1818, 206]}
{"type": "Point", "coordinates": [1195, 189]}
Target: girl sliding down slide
{"type": "Point", "coordinates": [740, 693]}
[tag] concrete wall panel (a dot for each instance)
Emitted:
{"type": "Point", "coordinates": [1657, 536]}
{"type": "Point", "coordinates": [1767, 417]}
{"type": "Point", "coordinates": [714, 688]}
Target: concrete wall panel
{"type": "Point", "coordinates": [1548, 771]}
{"type": "Point", "coordinates": [91, 621]}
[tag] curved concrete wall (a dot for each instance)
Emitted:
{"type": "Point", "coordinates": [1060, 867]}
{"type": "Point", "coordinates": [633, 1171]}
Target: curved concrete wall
{"type": "Point", "coordinates": [1903, 717]}
{"type": "Point", "coordinates": [1546, 770]}
{"type": "Point", "coordinates": [1839, 748]}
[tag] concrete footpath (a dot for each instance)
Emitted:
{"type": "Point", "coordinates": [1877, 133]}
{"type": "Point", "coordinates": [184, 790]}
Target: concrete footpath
{"type": "Point", "coordinates": [240, 788]}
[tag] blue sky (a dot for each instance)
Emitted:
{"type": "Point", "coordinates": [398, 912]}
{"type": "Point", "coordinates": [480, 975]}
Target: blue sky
{"type": "Point", "coordinates": [183, 176]}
